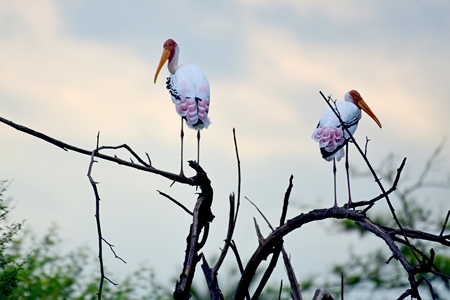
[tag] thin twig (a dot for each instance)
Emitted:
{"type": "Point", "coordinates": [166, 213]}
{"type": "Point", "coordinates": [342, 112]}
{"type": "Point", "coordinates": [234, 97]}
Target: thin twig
{"type": "Point", "coordinates": [366, 145]}
{"type": "Point", "coordinates": [445, 223]}
{"type": "Point", "coordinates": [260, 212]}
{"type": "Point", "coordinates": [239, 262]}
{"type": "Point", "coordinates": [97, 219]}
{"type": "Point", "coordinates": [239, 174]}
{"type": "Point", "coordinates": [429, 165]}
{"type": "Point", "coordinates": [258, 232]}
{"type": "Point", "coordinates": [295, 288]}
{"type": "Point", "coordinates": [269, 270]}
{"type": "Point", "coordinates": [286, 201]}
{"type": "Point", "coordinates": [280, 290]}
{"type": "Point", "coordinates": [175, 201]}
{"type": "Point", "coordinates": [234, 211]}
{"type": "Point", "coordinates": [231, 223]}
{"type": "Point", "coordinates": [382, 196]}
{"type": "Point", "coordinates": [430, 286]}
{"type": "Point", "coordinates": [236, 254]}
{"type": "Point", "coordinates": [111, 247]}
{"type": "Point", "coordinates": [289, 269]}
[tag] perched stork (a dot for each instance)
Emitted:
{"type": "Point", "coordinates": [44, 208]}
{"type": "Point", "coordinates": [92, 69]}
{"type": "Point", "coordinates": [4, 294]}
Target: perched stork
{"type": "Point", "coordinates": [189, 90]}
{"type": "Point", "coordinates": [332, 137]}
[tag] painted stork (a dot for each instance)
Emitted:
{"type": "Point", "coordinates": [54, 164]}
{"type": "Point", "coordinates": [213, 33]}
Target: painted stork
{"type": "Point", "coordinates": [332, 137]}
{"type": "Point", "coordinates": [189, 90]}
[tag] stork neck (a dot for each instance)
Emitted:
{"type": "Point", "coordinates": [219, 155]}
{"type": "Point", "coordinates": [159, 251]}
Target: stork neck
{"type": "Point", "coordinates": [173, 61]}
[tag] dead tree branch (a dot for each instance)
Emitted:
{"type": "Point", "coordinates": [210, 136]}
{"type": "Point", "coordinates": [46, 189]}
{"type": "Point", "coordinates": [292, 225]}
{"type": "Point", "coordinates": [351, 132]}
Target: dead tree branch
{"type": "Point", "coordinates": [393, 188]}
{"type": "Point", "coordinates": [211, 274]}
{"type": "Point", "coordinates": [295, 290]}
{"type": "Point", "coordinates": [98, 224]}
{"type": "Point", "coordinates": [202, 216]}
{"type": "Point", "coordinates": [267, 245]}
{"type": "Point", "coordinates": [143, 166]}
{"type": "Point", "coordinates": [176, 202]}
{"type": "Point", "coordinates": [265, 248]}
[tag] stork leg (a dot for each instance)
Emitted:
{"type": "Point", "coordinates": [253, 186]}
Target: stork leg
{"type": "Point", "coordinates": [198, 150]}
{"type": "Point", "coordinates": [348, 176]}
{"type": "Point", "coordinates": [334, 173]}
{"type": "Point", "coordinates": [198, 146]}
{"type": "Point", "coordinates": [181, 137]}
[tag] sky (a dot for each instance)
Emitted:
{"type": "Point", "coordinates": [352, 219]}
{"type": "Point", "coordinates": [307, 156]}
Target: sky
{"type": "Point", "coordinates": [71, 69]}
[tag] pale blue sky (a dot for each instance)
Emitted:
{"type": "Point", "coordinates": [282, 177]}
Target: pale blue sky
{"type": "Point", "coordinates": [73, 68]}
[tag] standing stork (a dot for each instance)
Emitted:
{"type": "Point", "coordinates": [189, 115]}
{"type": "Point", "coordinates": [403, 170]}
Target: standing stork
{"type": "Point", "coordinates": [189, 90]}
{"type": "Point", "coordinates": [332, 137]}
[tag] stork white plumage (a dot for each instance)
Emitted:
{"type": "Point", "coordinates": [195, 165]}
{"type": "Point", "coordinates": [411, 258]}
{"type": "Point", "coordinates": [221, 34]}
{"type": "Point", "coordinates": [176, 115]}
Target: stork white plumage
{"type": "Point", "coordinates": [189, 90]}
{"type": "Point", "coordinates": [332, 137]}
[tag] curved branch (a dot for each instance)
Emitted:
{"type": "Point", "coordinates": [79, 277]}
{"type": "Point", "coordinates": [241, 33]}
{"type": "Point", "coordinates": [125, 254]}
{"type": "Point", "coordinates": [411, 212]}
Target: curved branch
{"type": "Point", "coordinates": [266, 246]}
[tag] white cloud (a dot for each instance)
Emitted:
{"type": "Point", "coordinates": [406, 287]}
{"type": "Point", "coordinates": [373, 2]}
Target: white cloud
{"type": "Point", "coordinates": [343, 11]}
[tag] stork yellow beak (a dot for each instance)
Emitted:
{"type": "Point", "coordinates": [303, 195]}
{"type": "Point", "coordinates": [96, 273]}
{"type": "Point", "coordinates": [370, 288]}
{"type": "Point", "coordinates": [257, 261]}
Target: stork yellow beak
{"type": "Point", "coordinates": [363, 105]}
{"type": "Point", "coordinates": [164, 57]}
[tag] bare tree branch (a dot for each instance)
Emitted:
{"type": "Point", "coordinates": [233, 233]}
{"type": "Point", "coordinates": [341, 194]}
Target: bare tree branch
{"type": "Point", "coordinates": [322, 294]}
{"type": "Point", "coordinates": [211, 274]}
{"type": "Point", "coordinates": [234, 211]}
{"type": "Point", "coordinates": [98, 224]}
{"type": "Point", "coordinates": [445, 223]}
{"type": "Point", "coordinates": [286, 201]}
{"type": "Point", "coordinates": [176, 202]}
{"type": "Point", "coordinates": [269, 270]}
{"type": "Point", "coordinates": [211, 280]}
{"type": "Point", "coordinates": [382, 196]}
{"type": "Point", "coordinates": [430, 164]}
{"type": "Point", "coordinates": [295, 288]}
{"type": "Point", "coordinates": [143, 166]}
{"type": "Point", "coordinates": [266, 246]}
{"type": "Point", "coordinates": [202, 216]}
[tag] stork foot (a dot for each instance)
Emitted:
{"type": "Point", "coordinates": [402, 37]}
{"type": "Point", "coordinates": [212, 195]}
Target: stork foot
{"type": "Point", "coordinates": [332, 208]}
{"type": "Point", "coordinates": [183, 178]}
{"type": "Point", "coordinates": [350, 203]}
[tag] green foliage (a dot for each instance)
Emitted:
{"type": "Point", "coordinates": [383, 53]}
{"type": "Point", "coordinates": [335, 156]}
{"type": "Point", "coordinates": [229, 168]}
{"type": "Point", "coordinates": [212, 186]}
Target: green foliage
{"type": "Point", "coordinates": [33, 268]}
{"type": "Point", "coordinates": [49, 273]}
{"type": "Point", "coordinates": [8, 266]}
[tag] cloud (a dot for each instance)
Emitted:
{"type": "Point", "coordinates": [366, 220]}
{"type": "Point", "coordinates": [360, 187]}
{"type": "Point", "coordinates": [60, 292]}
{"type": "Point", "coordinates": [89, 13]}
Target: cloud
{"type": "Point", "coordinates": [287, 71]}
{"type": "Point", "coordinates": [343, 11]}
{"type": "Point", "coordinates": [83, 85]}
{"type": "Point", "coordinates": [87, 85]}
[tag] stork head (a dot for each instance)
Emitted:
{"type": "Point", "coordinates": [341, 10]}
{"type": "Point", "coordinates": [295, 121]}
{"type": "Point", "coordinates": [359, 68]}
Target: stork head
{"type": "Point", "coordinates": [167, 54]}
{"type": "Point", "coordinates": [355, 97]}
